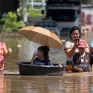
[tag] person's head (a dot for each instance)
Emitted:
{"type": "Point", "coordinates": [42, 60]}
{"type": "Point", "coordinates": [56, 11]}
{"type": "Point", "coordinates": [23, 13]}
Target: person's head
{"type": "Point", "coordinates": [43, 52]}
{"type": "Point", "coordinates": [81, 46]}
{"type": "Point", "coordinates": [75, 33]}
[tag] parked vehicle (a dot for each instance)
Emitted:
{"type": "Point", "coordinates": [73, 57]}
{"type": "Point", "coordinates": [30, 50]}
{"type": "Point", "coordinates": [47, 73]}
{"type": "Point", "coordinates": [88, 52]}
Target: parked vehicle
{"type": "Point", "coordinates": [66, 13]}
{"type": "Point", "coordinates": [50, 25]}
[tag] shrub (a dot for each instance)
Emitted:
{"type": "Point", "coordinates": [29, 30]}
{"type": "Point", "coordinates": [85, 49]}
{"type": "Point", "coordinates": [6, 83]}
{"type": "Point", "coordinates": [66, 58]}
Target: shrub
{"type": "Point", "coordinates": [11, 24]}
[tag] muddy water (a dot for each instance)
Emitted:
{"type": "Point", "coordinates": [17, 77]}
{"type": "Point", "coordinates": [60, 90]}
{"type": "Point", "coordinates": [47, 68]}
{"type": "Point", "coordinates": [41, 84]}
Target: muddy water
{"type": "Point", "coordinates": [27, 84]}
{"type": "Point", "coordinates": [12, 82]}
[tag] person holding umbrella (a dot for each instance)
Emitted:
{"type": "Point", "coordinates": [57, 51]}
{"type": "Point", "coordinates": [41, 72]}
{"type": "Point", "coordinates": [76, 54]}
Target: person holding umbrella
{"type": "Point", "coordinates": [41, 57]}
{"type": "Point", "coordinates": [45, 38]}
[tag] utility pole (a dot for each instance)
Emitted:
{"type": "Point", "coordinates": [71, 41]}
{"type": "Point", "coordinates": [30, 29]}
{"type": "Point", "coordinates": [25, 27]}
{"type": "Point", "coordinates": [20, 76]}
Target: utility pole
{"type": "Point", "coordinates": [32, 4]}
{"type": "Point", "coordinates": [43, 2]}
{"type": "Point", "coordinates": [23, 4]}
{"type": "Point", "coordinates": [22, 9]}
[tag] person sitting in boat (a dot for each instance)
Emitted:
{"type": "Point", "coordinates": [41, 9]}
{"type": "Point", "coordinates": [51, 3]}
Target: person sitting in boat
{"type": "Point", "coordinates": [4, 53]}
{"type": "Point", "coordinates": [71, 47]}
{"type": "Point", "coordinates": [41, 57]}
{"type": "Point", "coordinates": [82, 61]}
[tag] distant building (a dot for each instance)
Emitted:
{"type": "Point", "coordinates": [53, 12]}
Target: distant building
{"type": "Point", "coordinates": [8, 5]}
{"type": "Point", "coordinates": [36, 4]}
{"type": "Point", "coordinates": [12, 5]}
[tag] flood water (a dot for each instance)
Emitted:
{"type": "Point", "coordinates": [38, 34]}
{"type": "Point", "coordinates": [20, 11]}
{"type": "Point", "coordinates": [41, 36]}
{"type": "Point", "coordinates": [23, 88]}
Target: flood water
{"type": "Point", "coordinates": [12, 82]}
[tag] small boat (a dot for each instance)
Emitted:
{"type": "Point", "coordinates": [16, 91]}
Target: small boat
{"type": "Point", "coordinates": [25, 68]}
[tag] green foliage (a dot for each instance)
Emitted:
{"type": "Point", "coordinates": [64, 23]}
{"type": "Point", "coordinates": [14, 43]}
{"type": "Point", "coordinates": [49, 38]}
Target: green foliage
{"type": "Point", "coordinates": [10, 22]}
{"type": "Point", "coordinates": [35, 13]}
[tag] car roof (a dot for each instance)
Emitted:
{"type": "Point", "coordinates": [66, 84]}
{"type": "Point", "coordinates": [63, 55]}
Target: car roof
{"type": "Point", "coordinates": [46, 23]}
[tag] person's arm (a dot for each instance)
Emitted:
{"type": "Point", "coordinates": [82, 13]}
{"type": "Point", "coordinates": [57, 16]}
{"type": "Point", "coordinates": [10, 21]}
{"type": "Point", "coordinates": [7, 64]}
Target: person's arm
{"type": "Point", "coordinates": [7, 52]}
{"type": "Point", "coordinates": [92, 67]}
{"type": "Point", "coordinates": [70, 51]}
{"type": "Point", "coordinates": [91, 62]}
{"type": "Point", "coordinates": [50, 63]}
{"type": "Point", "coordinates": [87, 48]}
{"type": "Point", "coordinates": [34, 56]}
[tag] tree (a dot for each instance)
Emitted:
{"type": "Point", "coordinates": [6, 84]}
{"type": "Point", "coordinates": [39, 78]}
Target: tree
{"type": "Point", "coordinates": [10, 22]}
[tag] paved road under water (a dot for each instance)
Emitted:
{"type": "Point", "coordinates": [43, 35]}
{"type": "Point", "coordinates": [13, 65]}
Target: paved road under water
{"type": "Point", "coordinates": [12, 82]}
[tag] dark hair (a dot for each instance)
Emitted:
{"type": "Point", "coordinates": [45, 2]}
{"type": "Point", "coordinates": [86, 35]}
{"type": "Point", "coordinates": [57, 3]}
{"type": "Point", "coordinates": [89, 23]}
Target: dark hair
{"type": "Point", "coordinates": [73, 29]}
{"type": "Point", "coordinates": [45, 50]}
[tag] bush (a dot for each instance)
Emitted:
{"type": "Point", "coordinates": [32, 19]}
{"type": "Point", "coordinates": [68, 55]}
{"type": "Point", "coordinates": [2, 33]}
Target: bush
{"type": "Point", "coordinates": [10, 22]}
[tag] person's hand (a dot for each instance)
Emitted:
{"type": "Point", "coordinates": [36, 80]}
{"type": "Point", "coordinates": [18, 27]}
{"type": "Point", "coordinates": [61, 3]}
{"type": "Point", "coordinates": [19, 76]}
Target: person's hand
{"type": "Point", "coordinates": [80, 69]}
{"type": "Point", "coordinates": [76, 44]}
{"type": "Point", "coordinates": [60, 66]}
{"type": "Point", "coordinates": [35, 54]}
{"type": "Point", "coordinates": [69, 71]}
{"type": "Point", "coordinates": [76, 69]}
{"type": "Point", "coordinates": [9, 50]}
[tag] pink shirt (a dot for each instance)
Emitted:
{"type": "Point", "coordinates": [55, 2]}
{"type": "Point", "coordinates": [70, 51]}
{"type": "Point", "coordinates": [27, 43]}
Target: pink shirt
{"type": "Point", "coordinates": [2, 44]}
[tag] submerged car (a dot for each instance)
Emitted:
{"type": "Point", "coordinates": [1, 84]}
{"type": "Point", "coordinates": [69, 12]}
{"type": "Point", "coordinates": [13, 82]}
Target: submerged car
{"type": "Point", "coordinates": [50, 25]}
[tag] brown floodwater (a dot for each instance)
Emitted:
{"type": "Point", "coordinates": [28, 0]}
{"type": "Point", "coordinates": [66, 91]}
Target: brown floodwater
{"type": "Point", "coordinates": [12, 82]}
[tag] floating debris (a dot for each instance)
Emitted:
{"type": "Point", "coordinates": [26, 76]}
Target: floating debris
{"type": "Point", "coordinates": [18, 45]}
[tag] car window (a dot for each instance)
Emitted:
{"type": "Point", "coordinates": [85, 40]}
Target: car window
{"type": "Point", "coordinates": [46, 24]}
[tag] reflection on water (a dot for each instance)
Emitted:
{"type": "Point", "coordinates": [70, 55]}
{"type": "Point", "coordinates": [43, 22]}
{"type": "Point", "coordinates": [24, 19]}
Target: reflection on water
{"type": "Point", "coordinates": [28, 84]}
{"type": "Point", "coordinates": [12, 82]}
{"type": "Point", "coordinates": [1, 83]}
{"type": "Point", "coordinates": [78, 85]}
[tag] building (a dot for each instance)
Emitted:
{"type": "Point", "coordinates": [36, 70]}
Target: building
{"type": "Point", "coordinates": [36, 4]}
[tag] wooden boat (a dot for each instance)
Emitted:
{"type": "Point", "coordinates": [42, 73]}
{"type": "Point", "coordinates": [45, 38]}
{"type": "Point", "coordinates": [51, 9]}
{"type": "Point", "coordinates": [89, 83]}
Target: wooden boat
{"type": "Point", "coordinates": [25, 68]}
